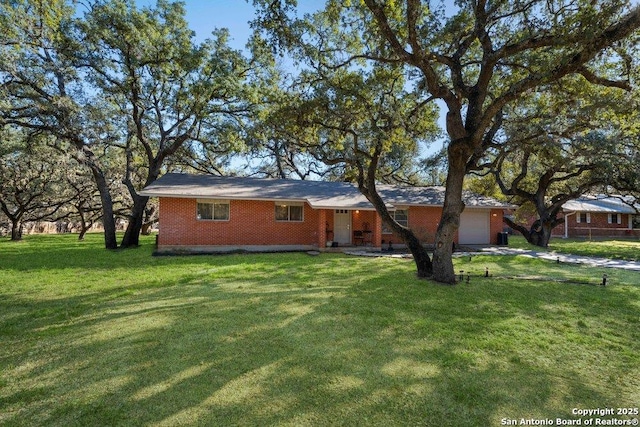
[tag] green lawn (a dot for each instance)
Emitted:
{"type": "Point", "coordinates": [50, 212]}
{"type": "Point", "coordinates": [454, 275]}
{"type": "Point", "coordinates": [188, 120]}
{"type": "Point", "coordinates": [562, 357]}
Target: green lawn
{"type": "Point", "coordinates": [625, 249]}
{"type": "Point", "coordinates": [90, 337]}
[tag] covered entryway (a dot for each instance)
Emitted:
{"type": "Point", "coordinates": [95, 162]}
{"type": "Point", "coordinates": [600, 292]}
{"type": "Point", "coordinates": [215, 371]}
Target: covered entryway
{"type": "Point", "coordinates": [474, 227]}
{"type": "Point", "coordinates": [342, 227]}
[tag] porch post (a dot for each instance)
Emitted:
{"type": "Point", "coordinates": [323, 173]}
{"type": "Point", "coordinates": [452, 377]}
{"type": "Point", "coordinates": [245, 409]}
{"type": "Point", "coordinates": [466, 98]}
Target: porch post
{"type": "Point", "coordinates": [377, 231]}
{"type": "Point", "coordinates": [322, 228]}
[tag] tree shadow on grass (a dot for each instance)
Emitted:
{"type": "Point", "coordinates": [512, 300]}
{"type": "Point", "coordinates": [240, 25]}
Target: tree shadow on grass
{"type": "Point", "coordinates": [335, 341]}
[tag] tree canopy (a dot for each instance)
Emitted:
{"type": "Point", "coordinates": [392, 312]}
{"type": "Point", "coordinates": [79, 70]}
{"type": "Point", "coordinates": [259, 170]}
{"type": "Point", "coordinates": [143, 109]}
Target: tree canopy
{"type": "Point", "coordinates": [476, 59]}
{"type": "Point", "coordinates": [118, 84]}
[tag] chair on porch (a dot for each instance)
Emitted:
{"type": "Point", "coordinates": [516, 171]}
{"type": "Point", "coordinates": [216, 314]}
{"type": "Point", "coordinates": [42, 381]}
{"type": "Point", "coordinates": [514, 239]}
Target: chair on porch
{"type": "Point", "coordinates": [358, 237]}
{"type": "Point", "coordinates": [367, 235]}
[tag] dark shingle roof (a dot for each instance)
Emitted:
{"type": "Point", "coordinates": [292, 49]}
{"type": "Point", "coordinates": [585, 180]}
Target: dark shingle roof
{"type": "Point", "coordinates": [319, 194]}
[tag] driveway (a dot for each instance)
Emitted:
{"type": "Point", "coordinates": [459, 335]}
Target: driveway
{"type": "Point", "coordinates": [564, 258]}
{"type": "Point", "coordinates": [504, 250]}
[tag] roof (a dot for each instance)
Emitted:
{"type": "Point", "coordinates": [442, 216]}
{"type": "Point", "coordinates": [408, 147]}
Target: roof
{"type": "Point", "coordinates": [319, 194]}
{"type": "Point", "coordinates": [434, 196]}
{"type": "Point", "coordinates": [602, 204]}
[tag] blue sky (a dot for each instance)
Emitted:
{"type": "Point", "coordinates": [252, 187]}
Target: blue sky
{"type": "Point", "coordinates": [206, 15]}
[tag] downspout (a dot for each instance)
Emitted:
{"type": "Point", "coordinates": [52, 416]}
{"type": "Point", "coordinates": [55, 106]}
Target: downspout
{"type": "Point", "coordinates": [566, 224]}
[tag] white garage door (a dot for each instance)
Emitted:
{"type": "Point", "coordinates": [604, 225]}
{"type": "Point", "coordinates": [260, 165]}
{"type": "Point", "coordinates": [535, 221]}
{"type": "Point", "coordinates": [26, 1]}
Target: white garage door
{"type": "Point", "coordinates": [474, 227]}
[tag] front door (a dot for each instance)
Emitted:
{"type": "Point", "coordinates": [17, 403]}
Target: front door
{"type": "Point", "coordinates": [342, 227]}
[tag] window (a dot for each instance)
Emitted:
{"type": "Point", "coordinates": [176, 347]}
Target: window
{"type": "Point", "coordinates": [615, 218]}
{"type": "Point", "coordinates": [289, 212]}
{"type": "Point", "coordinates": [216, 210]}
{"type": "Point", "coordinates": [583, 217]}
{"type": "Point", "coordinates": [401, 216]}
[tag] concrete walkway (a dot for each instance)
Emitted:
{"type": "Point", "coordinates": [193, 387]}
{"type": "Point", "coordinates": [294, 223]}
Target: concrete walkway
{"type": "Point", "coordinates": [563, 258]}
{"type": "Point", "coordinates": [503, 250]}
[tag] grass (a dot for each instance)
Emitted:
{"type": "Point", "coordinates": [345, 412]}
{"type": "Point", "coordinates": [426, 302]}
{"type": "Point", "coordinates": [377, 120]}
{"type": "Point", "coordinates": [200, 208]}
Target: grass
{"type": "Point", "coordinates": [624, 249]}
{"type": "Point", "coordinates": [91, 337]}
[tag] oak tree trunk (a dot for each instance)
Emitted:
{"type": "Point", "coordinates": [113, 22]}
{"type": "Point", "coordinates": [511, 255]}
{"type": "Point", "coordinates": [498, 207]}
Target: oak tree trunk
{"type": "Point", "coordinates": [449, 222]}
{"type": "Point", "coordinates": [132, 233]}
{"type": "Point", "coordinates": [108, 219]}
{"type": "Point", "coordinates": [540, 233]}
{"type": "Point", "coordinates": [16, 230]}
{"type": "Point", "coordinates": [420, 255]}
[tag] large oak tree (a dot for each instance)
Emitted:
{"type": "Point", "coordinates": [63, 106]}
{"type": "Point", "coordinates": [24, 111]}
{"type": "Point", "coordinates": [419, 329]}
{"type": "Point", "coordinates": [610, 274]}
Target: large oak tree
{"type": "Point", "coordinates": [42, 91]}
{"type": "Point", "coordinates": [476, 58]}
{"type": "Point", "coordinates": [170, 91]}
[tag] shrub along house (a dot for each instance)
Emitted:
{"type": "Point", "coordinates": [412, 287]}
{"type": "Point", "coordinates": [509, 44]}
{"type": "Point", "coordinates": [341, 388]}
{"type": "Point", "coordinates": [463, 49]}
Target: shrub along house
{"type": "Point", "coordinates": [593, 216]}
{"type": "Point", "coordinates": [203, 213]}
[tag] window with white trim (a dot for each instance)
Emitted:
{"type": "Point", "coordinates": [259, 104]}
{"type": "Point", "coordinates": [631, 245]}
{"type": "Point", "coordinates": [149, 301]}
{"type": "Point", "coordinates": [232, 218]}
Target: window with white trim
{"type": "Point", "coordinates": [213, 210]}
{"type": "Point", "coordinates": [401, 216]}
{"type": "Point", "coordinates": [615, 218]}
{"type": "Point", "coordinates": [289, 212]}
{"type": "Point", "coordinates": [583, 217]}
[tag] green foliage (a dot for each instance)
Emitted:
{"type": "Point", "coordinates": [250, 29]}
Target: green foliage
{"type": "Point", "coordinates": [32, 180]}
{"type": "Point", "coordinates": [172, 91]}
{"type": "Point", "coordinates": [557, 144]}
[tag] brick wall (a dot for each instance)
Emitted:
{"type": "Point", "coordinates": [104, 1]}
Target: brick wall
{"type": "Point", "coordinates": [496, 225]}
{"type": "Point", "coordinates": [424, 222]}
{"type": "Point", "coordinates": [250, 223]}
{"type": "Point", "coordinates": [253, 223]}
{"type": "Point", "coordinates": [598, 226]}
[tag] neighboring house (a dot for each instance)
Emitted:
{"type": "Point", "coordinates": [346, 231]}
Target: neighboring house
{"type": "Point", "coordinates": [595, 216]}
{"type": "Point", "coordinates": [203, 213]}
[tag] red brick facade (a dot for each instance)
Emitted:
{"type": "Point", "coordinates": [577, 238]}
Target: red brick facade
{"type": "Point", "coordinates": [598, 225]}
{"type": "Point", "coordinates": [424, 220]}
{"type": "Point", "coordinates": [252, 223]}
{"type": "Point", "coordinates": [496, 225]}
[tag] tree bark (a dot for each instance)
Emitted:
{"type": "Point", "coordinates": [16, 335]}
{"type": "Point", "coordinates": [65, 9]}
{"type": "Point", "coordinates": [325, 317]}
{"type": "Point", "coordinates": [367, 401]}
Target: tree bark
{"type": "Point", "coordinates": [149, 220]}
{"type": "Point", "coordinates": [450, 221]}
{"type": "Point", "coordinates": [16, 230]}
{"type": "Point", "coordinates": [84, 226]}
{"type": "Point", "coordinates": [108, 219]}
{"type": "Point", "coordinates": [132, 233]}
{"type": "Point", "coordinates": [83, 231]}
{"type": "Point", "coordinates": [367, 186]}
{"type": "Point", "coordinates": [539, 234]}
{"type": "Point", "coordinates": [420, 255]}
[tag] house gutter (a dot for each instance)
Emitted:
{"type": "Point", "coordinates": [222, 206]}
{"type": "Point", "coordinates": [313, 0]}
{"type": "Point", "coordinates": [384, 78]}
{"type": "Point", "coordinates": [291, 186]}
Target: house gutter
{"type": "Point", "coordinates": [566, 224]}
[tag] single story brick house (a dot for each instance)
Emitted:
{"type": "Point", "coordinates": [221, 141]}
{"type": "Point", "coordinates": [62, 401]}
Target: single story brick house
{"type": "Point", "coordinates": [204, 213]}
{"type": "Point", "coordinates": [599, 216]}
